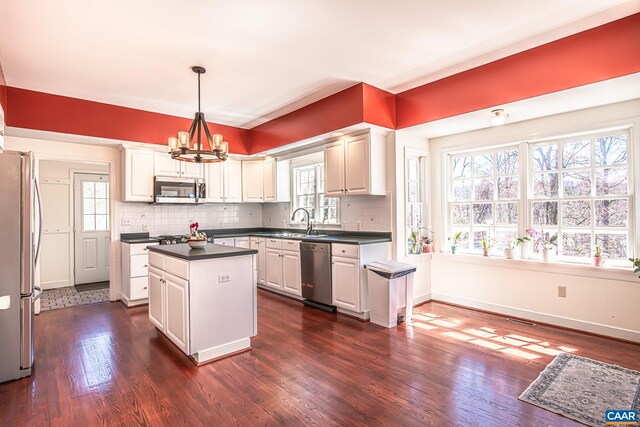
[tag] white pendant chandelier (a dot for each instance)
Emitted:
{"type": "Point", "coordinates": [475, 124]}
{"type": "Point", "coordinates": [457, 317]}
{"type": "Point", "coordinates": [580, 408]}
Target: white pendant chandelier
{"type": "Point", "coordinates": [189, 147]}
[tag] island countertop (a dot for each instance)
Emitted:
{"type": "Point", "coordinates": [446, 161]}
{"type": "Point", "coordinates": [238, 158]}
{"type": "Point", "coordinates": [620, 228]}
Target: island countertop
{"type": "Point", "coordinates": [184, 251]}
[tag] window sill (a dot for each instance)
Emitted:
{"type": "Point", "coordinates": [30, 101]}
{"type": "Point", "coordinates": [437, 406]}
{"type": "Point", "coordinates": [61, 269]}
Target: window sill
{"type": "Point", "coordinates": [607, 273]}
{"type": "Point", "coordinates": [426, 255]}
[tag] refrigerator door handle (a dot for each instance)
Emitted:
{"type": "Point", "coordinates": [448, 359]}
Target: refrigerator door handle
{"type": "Point", "coordinates": [35, 260]}
{"type": "Point", "coordinates": [37, 297]}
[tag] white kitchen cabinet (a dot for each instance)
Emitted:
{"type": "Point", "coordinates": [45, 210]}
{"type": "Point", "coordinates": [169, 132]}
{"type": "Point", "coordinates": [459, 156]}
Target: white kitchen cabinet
{"type": "Point", "coordinates": [259, 244]}
{"type": "Point", "coordinates": [355, 165]}
{"type": "Point", "coordinates": [177, 311]}
{"type": "Point", "coordinates": [138, 175]}
{"type": "Point", "coordinates": [214, 179]}
{"type": "Point", "coordinates": [191, 170]}
{"type": "Point", "coordinates": [345, 279]}
{"type": "Point", "coordinates": [349, 277]}
{"type": "Point", "coordinates": [164, 165]}
{"type": "Point", "coordinates": [134, 272]}
{"type": "Point", "coordinates": [273, 261]}
{"type": "Point", "coordinates": [156, 298]}
{"type": "Point", "coordinates": [291, 280]}
{"type": "Point", "coordinates": [276, 180]}
{"type": "Point", "coordinates": [232, 181]}
{"type": "Point", "coordinates": [252, 181]}
{"type": "Point", "coordinates": [242, 242]}
{"type": "Point", "coordinates": [225, 241]}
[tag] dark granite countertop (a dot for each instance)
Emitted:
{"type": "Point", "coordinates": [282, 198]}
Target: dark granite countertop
{"type": "Point", "coordinates": [332, 236]}
{"type": "Point", "coordinates": [184, 251]}
{"type": "Point", "coordinates": [133, 238]}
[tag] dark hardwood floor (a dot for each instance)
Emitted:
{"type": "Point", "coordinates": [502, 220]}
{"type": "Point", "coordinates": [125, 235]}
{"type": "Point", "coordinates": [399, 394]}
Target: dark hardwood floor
{"type": "Point", "coordinates": [106, 365]}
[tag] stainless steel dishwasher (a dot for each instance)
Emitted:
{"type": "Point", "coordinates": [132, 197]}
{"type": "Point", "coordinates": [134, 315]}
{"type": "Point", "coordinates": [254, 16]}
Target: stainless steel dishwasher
{"type": "Point", "coordinates": [315, 269]}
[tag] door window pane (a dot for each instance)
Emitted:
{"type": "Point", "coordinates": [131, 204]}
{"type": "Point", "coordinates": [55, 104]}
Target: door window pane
{"type": "Point", "coordinates": [95, 206]}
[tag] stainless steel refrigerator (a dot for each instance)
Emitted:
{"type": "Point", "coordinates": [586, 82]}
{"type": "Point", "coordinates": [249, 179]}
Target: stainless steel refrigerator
{"type": "Point", "coordinates": [20, 213]}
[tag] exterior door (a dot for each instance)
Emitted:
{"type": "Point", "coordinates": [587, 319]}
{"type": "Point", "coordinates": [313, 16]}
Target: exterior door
{"type": "Point", "coordinates": [91, 228]}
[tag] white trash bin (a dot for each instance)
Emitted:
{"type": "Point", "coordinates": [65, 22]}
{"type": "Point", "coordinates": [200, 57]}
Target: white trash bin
{"type": "Point", "coordinates": [390, 289]}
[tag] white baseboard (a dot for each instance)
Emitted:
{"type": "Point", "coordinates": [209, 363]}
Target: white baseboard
{"type": "Point", "coordinates": [55, 285]}
{"type": "Point", "coordinates": [279, 292]}
{"type": "Point", "coordinates": [581, 325]}
{"type": "Point", "coordinates": [132, 303]}
{"type": "Point", "coordinates": [221, 350]}
{"type": "Point", "coordinates": [422, 298]}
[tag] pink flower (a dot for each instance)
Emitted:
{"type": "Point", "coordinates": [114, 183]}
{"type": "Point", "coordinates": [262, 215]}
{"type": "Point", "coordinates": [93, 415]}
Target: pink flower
{"type": "Point", "coordinates": [533, 233]}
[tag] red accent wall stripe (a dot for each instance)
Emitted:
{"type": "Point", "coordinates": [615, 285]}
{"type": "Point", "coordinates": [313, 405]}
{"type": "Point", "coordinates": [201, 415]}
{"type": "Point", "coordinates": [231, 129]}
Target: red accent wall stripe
{"type": "Point", "coordinates": [379, 106]}
{"type": "Point", "coordinates": [601, 53]}
{"type": "Point", "coordinates": [336, 111]}
{"type": "Point", "coordinates": [47, 112]}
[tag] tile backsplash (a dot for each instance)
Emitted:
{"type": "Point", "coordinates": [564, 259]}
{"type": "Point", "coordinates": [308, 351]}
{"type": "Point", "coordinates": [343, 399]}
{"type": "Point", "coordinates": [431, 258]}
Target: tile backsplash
{"type": "Point", "coordinates": [372, 212]}
{"type": "Point", "coordinates": [167, 219]}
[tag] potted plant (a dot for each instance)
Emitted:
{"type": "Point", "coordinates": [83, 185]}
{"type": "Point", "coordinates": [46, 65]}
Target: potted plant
{"type": "Point", "coordinates": [486, 246]}
{"type": "Point", "coordinates": [636, 265]}
{"type": "Point", "coordinates": [531, 235]}
{"type": "Point", "coordinates": [514, 242]}
{"type": "Point", "coordinates": [427, 240]}
{"type": "Point", "coordinates": [598, 257]}
{"type": "Point", "coordinates": [548, 247]}
{"type": "Point", "coordinates": [415, 247]}
{"type": "Point", "coordinates": [196, 239]}
{"type": "Point", "coordinates": [454, 241]}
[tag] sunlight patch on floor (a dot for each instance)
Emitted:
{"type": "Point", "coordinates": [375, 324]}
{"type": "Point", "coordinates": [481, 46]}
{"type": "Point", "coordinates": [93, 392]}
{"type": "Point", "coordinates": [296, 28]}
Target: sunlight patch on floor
{"type": "Point", "coordinates": [457, 335]}
{"type": "Point", "coordinates": [487, 344]}
{"type": "Point", "coordinates": [544, 350]}
{"type": "Point", "coordinates": [423, 326]}
{"type": "Point", "coordinates": [479, 333]}
{"type": "Point", "coordinates": [521, 338]}
{"type": "Point", "coordinates": [519, 353]}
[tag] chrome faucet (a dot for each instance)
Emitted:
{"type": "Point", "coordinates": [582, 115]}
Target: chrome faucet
{"type": "Point", "coordinates": [309, 225]}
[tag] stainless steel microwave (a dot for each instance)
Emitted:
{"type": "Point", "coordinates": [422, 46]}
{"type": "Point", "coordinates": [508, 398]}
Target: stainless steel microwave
{"type": "Point", "coordinates": [168, 189]}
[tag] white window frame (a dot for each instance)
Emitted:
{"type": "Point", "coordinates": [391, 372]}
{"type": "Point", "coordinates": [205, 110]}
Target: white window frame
{"type": "Point", "coordinates": [592, 197]}
{"type": "Point", "coordinates": [423, 190]}
{"type": "Point", "coordinates": [450, 202]}
{"type": "Point", "coordinates": [319, 169]}
{"type": "Point", "coordinates": [526, 199]}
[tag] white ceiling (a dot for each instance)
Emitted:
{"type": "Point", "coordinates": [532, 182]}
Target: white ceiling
{"type": "Point", "coordinates": [266, 58]}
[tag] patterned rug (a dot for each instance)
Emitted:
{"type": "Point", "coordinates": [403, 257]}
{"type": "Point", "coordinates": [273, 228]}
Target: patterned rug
{"type": "Point", "coordinates": [582, 389]}
{"type": "Point", "coordinates": [54, 299]}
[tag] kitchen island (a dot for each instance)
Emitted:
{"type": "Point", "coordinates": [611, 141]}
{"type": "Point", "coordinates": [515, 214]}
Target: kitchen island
{"type": "Point", "coordinates": [204, 300]}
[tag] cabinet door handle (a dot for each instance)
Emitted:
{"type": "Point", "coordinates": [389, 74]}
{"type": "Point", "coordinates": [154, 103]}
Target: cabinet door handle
{"type": "Point", "coordinates": [144, 287]}
{"type": "Point", "coordinates": [343, 251]}
{"type": "Point", "coordinates": [145, 266]}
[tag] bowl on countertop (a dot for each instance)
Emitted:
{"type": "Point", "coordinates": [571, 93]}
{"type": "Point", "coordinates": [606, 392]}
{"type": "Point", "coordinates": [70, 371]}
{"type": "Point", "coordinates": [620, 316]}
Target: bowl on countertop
{"type": "Point", "coordinates": [197, 244]}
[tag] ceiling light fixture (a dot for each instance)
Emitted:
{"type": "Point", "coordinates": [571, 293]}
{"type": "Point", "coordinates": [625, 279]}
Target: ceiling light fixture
{"type": "Point", "coordinates": [499, 117]}
{"type": "Point", "coordinates": [188, 146]}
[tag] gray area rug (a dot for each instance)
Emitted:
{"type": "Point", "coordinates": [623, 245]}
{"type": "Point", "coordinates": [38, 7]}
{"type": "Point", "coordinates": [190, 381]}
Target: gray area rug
{"type": "Point", "coordinates": [582, 389]}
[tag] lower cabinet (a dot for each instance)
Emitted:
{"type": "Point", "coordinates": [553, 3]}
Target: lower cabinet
{"type": "Point", "coordinates": [169, 306]}
{"type": "Point", "coordinates": [345, 279]}
{"type": "Point", "coordinates": [282, 262]}
{"type": "Point", "coordinates": [258, 243]}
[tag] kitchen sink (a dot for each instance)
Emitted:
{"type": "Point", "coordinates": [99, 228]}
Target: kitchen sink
{"type": "Point", "coordinates": [298, 235]}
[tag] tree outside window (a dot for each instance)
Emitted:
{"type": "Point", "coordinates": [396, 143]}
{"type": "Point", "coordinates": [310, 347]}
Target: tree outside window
{"type": "Point", "coordinates": [309, 194]}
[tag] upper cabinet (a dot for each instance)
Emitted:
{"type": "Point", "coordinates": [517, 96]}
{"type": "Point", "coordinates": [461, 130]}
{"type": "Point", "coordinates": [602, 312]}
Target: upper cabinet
{"type": "Point", "coordinates": [138, 175]}
{"type": "Point", "coordinates": [164, 165]}
{"type": "Point", "coordinates": [276, 176]}
{"type": "Point", "coordinates": [252, 181]}
{"type": "Point", "coordinates": [355, 166]}
{"type": "Point", "coordinates": [224, 182]}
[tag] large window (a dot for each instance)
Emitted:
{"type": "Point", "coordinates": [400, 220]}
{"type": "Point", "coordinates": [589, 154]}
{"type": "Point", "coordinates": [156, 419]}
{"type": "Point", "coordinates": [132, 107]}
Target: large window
{"type": "Point", "coordinates": [308, 189]}
{"type": "Point", "coordinates": [414, 193]}
{"type": "Point", "coordinates": [580, 192]}
{"type": "Point", "coordinates": [577, 189]}
{"type": "Point", "coordinates": [484, 197]}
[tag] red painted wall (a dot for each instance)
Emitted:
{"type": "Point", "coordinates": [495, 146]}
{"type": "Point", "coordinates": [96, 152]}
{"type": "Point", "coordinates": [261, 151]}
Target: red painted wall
{"type": "Point", "coordinates": [379, 106]}
{"type": "Point", "coordinates": [43, 111]}
{"type": "Point", "coordinates": [333, 112]}
{"type": "Point", "coordinates": [602, 53]}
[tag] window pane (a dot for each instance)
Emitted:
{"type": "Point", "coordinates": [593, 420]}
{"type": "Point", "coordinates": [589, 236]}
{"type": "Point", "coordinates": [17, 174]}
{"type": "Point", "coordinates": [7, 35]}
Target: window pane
{"type": "Point", "coordinates": [461, 214]}
{"type": "Point", "coordinates": [545, 158]}
{"type": "Point", "coordinates": [576, 244]}
{"type": "Point", "coordinates": [89, 223]}
{"type": "Point", "coordinates": [89, 206]}
{"type": "Point", "coordinates": [611, 150]}
{"type": "Point", "coordinates": [412, 169]}
{"type": "Point", "coordinates": [576, 154]}
{"type": "Point", "coordinates": [610, 181]}
{"type": "Point", "coordinates": [464, 238]}
{"type": "Point", "coordinates": [503, 237]}
{"type": "Point", "coordinates": [483, 165]}
{"type": "Point", "coordinates": [101, 206]}
{"type": "Point", "coordinates": [613, 245]}
{"type": "Point", "coordinates": [482, 213]}
{"type": "Point", "coordinates": [478, 236]}
{"type": "Point", "coordinates": [576, 184]}
{"type": "Point", "coordinates": [88, 189]}
{"type": "Point", "coordinates": [462, 190]}
{"type": "Point", "coordinates": [507, 213]}
{"type": "Point", "coordinates": [576, 213]}
{"type": "Point", "coordinates": [545, 185]}
{"type": "Point", "coordinates": [412, 192]}
{"type": "Point", "coordinates": [101, 222]}
{"type": "Point", "coordinates": [508, 188]}
{"type": "Point", "coordinates": [507, 162]}
{"type": "Point", "coordinates": [483, 189]}
{"type": "Point", "coordinates": [101, 190]}
{"type": "Point", "coordinates": [612, 213]}
{"type": "Point", "coordinates": [461, 167]}
{"type": "Point", "coordinates": [545, 213]}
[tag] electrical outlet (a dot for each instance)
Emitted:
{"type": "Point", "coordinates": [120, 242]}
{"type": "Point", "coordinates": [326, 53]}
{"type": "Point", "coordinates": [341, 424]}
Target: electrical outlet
{"type": "Point", "coordinates": [145, 227]}
{"type": "Point", "coordinates": [222, 278]}
{"type": "Point", "coordinates": [126, 221]}
{"type": "Point", "coordinates": [562, 291]}
{"type": "Point", "coordinates": [358, 225]}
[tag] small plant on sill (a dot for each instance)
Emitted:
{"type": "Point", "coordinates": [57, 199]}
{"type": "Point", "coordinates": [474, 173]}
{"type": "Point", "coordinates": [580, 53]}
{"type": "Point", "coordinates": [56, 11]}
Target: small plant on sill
{"type": "Point", "coordinates": [487, 245]}
{"type": "Point", "coordinates": [598, 256]}
{"type": "Point", "coordinates": [454, 241]}
{"type": "Point", "coordinates": [636, 265]}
